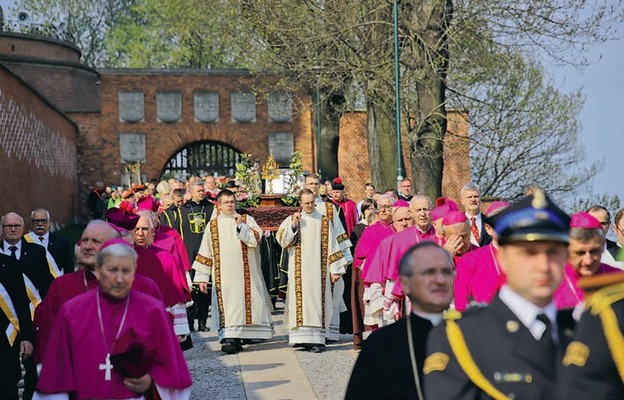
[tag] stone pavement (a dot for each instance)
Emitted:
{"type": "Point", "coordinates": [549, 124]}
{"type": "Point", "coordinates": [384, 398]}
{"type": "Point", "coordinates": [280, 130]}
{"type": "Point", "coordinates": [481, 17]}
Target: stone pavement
{"type": "Point", "coordinates": [269, 370]}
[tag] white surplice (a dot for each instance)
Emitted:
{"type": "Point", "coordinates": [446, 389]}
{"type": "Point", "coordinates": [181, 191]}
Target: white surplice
{"type": "Point", "coordinates": [314, 254]}
{"type": "Point", "coordinates": [241, 303]}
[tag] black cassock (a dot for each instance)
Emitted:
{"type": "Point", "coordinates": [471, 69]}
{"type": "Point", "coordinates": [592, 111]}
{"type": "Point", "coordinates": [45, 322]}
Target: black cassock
{"type": "Point", "coordinates": [13, 283]}
{"type": "Point", "coordinates": [270, 253]}
{"type": "Point", "coordinates": [384, 369]}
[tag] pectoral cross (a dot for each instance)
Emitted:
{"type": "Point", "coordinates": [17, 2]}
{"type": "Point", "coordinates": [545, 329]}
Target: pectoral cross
{"type": "Point", "coordinates": [108, 366]}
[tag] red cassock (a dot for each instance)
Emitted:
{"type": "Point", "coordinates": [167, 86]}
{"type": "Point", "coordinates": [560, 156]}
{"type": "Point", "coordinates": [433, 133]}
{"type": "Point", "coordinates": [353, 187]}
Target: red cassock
{"type": "Point", "coordinates": [398, 246]}
{"type": "Point", "coordinates": [569, 294]}
{"type": "Point", "coordinates": [168, 244]}
{"type": "Point", "coordinates": [349, 208]}
{"type": "Point", "coordinates": [67, 287]}
{"type": "Point", "coordinates": [368, 243]}
{"type": "Point", "coordinates": [160, 265]}
{"type": "Point", "coordinates": [179, 245]}
{"type": "Point", "coordinates": [76, 363]}
{"type": "Point", "coordinates": [478, 277]}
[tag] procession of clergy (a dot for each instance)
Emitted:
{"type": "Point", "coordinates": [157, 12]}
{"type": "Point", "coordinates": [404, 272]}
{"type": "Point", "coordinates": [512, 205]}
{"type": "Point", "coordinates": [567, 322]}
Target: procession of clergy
{"type": "Point", "coordinates": [117, 325]}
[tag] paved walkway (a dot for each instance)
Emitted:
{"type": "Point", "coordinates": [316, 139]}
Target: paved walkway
{"type": "Point", "coordinates": [269, 370]}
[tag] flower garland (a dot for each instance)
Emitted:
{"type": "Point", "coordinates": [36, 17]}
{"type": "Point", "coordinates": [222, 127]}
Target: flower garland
{"type": "Point", "coordinates": [248, 180]}
{"type": "Point", "coordinates": [293, 180]}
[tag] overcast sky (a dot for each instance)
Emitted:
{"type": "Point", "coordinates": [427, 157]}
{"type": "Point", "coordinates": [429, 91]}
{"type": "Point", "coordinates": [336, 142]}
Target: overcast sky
{"type": "Point", "coordinates": [602, 131]}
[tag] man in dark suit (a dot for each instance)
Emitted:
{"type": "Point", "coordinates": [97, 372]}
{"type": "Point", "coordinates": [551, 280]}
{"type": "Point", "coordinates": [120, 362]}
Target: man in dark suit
{"type": "Point", "coordinates": [510, 348]}
{"type": "Point", "coordinates": [172, 216]}
{"type": "Point", "coordinates": [618, 226]}
{"type": "Point", "coordinates": [57, 245]}
{"type": "Point", "coordinates": [37, 276]}
{"type": "Point", "coordinates": [385, 368]}
{"type": "Point", "coordinates": [471, 200]}
{"type": "Point", "coordinates": [15, 322]}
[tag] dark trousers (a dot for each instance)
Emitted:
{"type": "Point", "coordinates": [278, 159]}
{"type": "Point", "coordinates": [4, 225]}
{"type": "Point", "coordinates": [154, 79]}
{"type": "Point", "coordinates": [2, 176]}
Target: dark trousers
{"type": "Point", "coordinates": [202, 304]}
{"type": "Point", "coordinates": [10, 371]}
{"type": "Point", "coordinates": [357, 307]}
{"type": "Point", "coordinates": [30, 378]}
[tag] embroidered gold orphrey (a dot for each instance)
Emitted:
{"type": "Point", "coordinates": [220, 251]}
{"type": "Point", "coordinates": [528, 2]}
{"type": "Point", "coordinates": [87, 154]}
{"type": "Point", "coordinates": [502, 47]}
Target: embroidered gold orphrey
{"type": "Point", "coordinates": [298, 292]}
{"type": "Point", "coordinates": [246, 276]}
{"type": "Point", "coordinates": [216, 254]}
{"type": "Point", "coordinates": [324, 244]}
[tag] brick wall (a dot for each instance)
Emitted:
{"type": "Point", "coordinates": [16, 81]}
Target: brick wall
{"type": "Point", "coordinates": [99, 143]}
{"type": "Point", "coordinates": [353, 154]}
{"type": "Point", "coordinates": [68, 87]}
{"type": "Point", "coordinates": [38, 47]}
{"type": "Point", "coordinates": [37, 153]}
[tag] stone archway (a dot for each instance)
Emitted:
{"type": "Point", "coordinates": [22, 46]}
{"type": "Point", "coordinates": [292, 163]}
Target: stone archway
{"type": "Point", "coordinates": [203, 157]}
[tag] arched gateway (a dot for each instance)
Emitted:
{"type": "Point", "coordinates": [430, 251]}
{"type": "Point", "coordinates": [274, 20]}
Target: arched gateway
{"type": "Point", "coordinates": [203, 158]}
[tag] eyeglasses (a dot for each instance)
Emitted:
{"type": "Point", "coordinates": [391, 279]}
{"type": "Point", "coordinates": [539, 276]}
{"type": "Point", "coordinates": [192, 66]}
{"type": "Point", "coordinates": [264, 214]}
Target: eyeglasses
{"type": "Point", "coordinates": [385, 207]}
{"type": "Point", "coordinates": [39, 221]}
{"type": "Point", "coordinates": [402, 220]}
{"type": "Point", "coordinates": [11, 226]}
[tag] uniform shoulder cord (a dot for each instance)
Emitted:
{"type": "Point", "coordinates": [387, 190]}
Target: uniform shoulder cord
{"type": "Point", "coordinates": [466, 362]}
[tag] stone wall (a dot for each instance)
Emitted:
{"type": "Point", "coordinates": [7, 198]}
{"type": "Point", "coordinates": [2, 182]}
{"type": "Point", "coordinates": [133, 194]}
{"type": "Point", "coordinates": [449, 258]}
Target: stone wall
{"type": "Point", "coordinates": [37, 153]}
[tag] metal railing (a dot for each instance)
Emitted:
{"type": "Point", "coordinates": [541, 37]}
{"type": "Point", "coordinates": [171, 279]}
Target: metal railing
{"type": "Point", "coordinates": [43, 30]}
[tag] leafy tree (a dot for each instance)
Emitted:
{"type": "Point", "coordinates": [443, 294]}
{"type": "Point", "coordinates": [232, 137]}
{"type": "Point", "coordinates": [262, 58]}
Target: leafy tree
{"type": "Point", "coordinates": [453, 52]}
{"type": "Point", "coordinates": [87, 21]}
{"type": "Point", "coordinates": [178, 33]}
{"type": "Point", "coordinates": [583, 202]}
{"type": "Point", "coordinates": [526, 133]}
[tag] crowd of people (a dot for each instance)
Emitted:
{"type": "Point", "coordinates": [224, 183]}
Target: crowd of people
{"type": "Point", "coordinates": [443, 301]}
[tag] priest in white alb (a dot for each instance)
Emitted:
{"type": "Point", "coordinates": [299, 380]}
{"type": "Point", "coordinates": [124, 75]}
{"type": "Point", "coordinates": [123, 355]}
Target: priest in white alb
{"type": "Point", "coordinates": [315, 265]}
{"type": "Point", "coordinates": [230, 252]}
{"type": "Point", "coordinates": [113, 342]}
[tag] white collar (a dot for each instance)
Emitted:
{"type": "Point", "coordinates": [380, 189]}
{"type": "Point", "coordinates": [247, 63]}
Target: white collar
{"type": "Point", "coordinates": [420, 230]}
{"type": "Point", "coordinates": [476, 217]}
{"type": "Point", "coordinates": [35, 237]}
{"type": "Point", "coordinates": [434, 318]}
{"type": "Point", "coordinates": [527, 312]}
{"type": "Point", "coordinates": [6, 245]}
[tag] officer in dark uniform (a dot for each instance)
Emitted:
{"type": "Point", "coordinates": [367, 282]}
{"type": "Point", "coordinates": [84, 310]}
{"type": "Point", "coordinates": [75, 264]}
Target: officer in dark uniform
{"type": "Point", "coordinates": [509, 349]}
{"type": "Point", "coordinates": [593, 365]}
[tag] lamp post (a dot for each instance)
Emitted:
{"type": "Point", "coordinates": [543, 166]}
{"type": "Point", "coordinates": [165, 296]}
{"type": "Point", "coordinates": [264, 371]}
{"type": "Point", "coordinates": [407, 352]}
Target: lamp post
{"type": "Point", "coordinates": [318, 125]}
{"type": "Point", "coordinates": [397, 88]}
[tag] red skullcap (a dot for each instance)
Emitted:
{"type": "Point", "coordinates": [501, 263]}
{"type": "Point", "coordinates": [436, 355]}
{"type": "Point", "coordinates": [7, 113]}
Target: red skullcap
{"type": "Point", "coordinates": [454, 217]}
{"type": "Point", "coordinates": [584, 220]}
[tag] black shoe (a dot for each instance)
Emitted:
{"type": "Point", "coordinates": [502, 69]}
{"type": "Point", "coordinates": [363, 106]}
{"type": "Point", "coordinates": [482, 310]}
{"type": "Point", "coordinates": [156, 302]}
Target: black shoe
{"type": "Point", "coordinates": [203, 328]}
{"type": "Point", "coordinates": [317, 348]}
{"type": "Point", "coordinates": [229, 347]}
